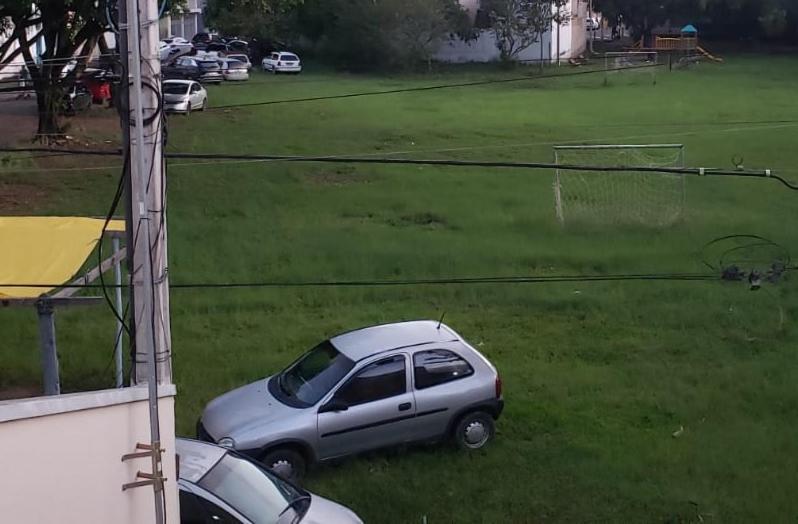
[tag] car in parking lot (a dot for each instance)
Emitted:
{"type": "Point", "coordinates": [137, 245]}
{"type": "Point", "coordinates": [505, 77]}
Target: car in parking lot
{"type": "Point", "coordinates": [233, 70]}
{"type": "Point", "coordinates": [219, 485]}
{"type": "Point", "coordinates": [282, 62]}
{"type": "Point", "coordinates": [184, 96]}
{"type": "Point", "coordinates": [192, 68]}
{"type": "Point", "coordinates": [371, 388]}
{"type": "Point", "coordinates": [241, 58]}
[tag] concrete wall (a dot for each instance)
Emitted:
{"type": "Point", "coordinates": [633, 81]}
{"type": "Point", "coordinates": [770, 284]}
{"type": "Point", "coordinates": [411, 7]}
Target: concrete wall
{"type": "Point", "coordinates": [484, 49]}
{"type": "Point", "coordinates": [61, 458]}
{"type": "Point", "coordinates": [572, 35]}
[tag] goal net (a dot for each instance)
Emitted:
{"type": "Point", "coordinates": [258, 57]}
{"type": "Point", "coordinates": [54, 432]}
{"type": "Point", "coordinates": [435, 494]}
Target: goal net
{"type": "Point", "coordinates": [620, 197]}
{"type": "Point", "coordinates": [631, 67]}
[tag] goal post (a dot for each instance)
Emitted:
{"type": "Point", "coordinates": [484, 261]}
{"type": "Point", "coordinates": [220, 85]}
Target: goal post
{"type": "Point", "coordinates": [632, 65]}
{"type": "Point", "coordinates": [619, 197]}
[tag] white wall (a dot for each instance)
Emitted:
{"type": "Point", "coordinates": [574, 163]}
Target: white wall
{"type": "Point", "coordinates": [61, 458]}
{"type": "Point", "coordinates": [573, 35]}
{"type": "Point", "coordinates": [484, 49]}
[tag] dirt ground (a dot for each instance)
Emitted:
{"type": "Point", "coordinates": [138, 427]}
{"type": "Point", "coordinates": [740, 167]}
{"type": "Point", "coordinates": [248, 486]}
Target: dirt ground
{"type": "Point", "coordinates": [95, 128]}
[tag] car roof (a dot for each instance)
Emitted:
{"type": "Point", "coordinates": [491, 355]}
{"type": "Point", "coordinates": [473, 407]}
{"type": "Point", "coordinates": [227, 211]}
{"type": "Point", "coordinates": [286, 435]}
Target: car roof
{"type": "Point", "coordinates": [365, 342]}
{"type": "Point", "coordinates": [186, 82]}
{"type": "Point", "coordinates": [197, 458]}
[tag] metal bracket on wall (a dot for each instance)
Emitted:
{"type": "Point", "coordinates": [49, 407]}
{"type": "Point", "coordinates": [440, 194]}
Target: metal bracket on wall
{"type": "Point", "coordinates": [155, 478]}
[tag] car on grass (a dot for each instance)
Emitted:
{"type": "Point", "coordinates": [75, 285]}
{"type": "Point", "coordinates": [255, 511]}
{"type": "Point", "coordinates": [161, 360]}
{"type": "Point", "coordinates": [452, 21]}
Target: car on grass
{"type": "Point", "coordinates": [375, 387]}
{"type": "Point", "coordinates": [219, 485]}
{"type": "Point", "coordinates": [241, 58]}
{"type": "Point", "coordinates": [233, 70]}
{"type": "Point", "coordinates": [282, 62]}
{"type": "Point", "coordinates": [206, 71]}
{"type": "Point", "coordinates": [184, 96]}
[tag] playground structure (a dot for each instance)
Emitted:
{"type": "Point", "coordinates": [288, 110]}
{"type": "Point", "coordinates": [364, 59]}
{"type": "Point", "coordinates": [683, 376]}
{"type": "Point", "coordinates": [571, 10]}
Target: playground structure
{"type": "Point", "coordinates": [684, 45]}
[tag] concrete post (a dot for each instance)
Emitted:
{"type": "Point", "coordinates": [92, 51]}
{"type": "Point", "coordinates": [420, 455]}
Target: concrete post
{"type": "Point", "coordinates": [50, 378]}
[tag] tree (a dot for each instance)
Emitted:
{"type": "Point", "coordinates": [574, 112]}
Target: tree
{"type": "Point", "coordinates": [264, 20]}
{"type": "Point", "coordinates": [517, 24]}
{"type": "Point", "coordinates": [381, 34]}
{"type": "Point", "coordinates": [68, 28]}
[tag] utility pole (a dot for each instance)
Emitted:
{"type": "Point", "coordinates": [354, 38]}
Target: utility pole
{"type": "Point", "coordinates": [592, 27]}
{"type": "Point", "coordinates": [146, 223]}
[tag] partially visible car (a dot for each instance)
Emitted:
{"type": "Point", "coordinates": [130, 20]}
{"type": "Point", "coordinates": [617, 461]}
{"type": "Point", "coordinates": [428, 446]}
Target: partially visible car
{"type": "Point", "coordinates": [76, 99]}
{"type": "Point", "coordinates": [202, 39]}
{"type": "Point", "coordinates": [237, 45]}
{"type": "Point", "coordinates": [173, 47]}
{"type": "Point", "coordinates": [375, 387]}
{"type": "Point", "coordinates": [233, 70]}
{"type": "Point", "coordinates": [210, 72]}
{"type": "Point", "coordinates": [184, 67]}
{"type": "Point", "coordinates": [282, 62]}
{"type": "Point", "coordinates": [183, 96]}
{"type": "Point", "coordinates": [218, 485]}
{"type": "Point", "coordinates": [241, 58]}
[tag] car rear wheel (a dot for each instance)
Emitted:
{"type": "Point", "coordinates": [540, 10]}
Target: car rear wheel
{"type": "Point", "coordinates": [286, 462]}
{"type": "Point", "coordinates": [204, 104]}
{"type": "Point", "coordinates": [474, 430]}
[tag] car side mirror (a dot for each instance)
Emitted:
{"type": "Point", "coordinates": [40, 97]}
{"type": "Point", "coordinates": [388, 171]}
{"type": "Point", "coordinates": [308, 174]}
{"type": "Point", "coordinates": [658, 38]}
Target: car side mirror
{"type": "Point", "coordinates": [334, 405]}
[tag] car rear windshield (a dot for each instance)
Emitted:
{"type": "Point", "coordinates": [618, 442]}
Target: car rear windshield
{"type": "Point", "coordinates": [234, 64]}
{"type": "Point", "coordinates": [289, 58]}
{"type": "Point", "coordinates": [255, 493]}
{"type": "Point", "coordinates": [175, 89]}
{"type": "Point", "coordinates": [314, 375]}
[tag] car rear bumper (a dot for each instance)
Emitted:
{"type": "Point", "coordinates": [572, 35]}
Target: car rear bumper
{"type": "Point", "coordinates": [179, 107]}
{"type": "Point", "coordinates": [210, 78]}
{"type": "Point", "coordinates": [237, 76]}
{"type": "Point", "coordinates": [288, 69]}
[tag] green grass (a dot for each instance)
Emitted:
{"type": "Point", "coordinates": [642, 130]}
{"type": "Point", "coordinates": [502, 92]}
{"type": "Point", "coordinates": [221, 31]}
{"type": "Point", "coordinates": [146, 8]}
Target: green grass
{"type": "Point", "coordinates": [597, 375]}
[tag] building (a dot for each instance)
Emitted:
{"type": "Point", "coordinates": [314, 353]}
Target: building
{"type": "Point", "coordinates": [187, 24]}
{"type": "Point", "coordinates": [561, 41]}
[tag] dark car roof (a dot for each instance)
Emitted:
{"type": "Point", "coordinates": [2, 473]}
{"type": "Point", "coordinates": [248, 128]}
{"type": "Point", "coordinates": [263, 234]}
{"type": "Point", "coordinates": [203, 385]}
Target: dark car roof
{"type": "Point", "coordinates": [363, 343]}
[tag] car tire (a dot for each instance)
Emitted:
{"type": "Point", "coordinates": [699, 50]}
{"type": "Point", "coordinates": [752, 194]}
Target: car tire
{"type": "Point", "coordinates": [204, 104]}
{"type": "Point", "coordinates": [474, 430]}
{"type": "Point", "coordinates": [287, 463]}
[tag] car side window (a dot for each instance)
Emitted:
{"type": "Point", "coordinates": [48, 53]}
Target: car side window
{"type": "Point", "coordinates": [196, 510]}
{"type": "Point", "coordinates": [382, 379]}
{"type": "Point", "coordinates": [195, 88]}
{"type": "Point", "coordinates": [439, 366]}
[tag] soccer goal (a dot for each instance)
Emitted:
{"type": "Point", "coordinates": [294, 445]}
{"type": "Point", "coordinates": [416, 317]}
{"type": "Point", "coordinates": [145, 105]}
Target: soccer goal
{"type": "Point", "coordinates": [619, 197]}
{"type": "Point", "coordinates": [631, 67]}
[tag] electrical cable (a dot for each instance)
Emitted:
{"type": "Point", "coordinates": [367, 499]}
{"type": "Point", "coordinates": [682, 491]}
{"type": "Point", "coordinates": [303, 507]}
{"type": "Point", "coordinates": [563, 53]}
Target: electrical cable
{"type": "Point", "coordinates": [423, 88]}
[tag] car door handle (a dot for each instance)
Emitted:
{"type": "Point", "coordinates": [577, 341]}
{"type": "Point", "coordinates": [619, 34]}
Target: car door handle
{"type": "Point", "coordinates": [405, 406]}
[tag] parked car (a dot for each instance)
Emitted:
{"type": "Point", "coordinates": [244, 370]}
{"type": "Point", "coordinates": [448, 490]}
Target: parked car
{"type": "Point", "coordinates": [282, 62]}
{"type": "Point", "coordinates": [219, 47]}
{"type": "Point", "coordinates": [219, 485]}
{"type": "Point", "coordinates": [184, 96]}
{"type": "Point", "coordinates": [371, 388]}
{"type": "Point", "coordinates": [241, 58]}
{"type": "Point", "coordinates": [192, 68]}
{"type": "Point", "coordinates": [200, 40]}
{"type": "Point", "coordinates": [233, 69]}
{"type": "Point", "coordinates": [171, 48]}
{"type": "Point", "coordinates": [237, 45]}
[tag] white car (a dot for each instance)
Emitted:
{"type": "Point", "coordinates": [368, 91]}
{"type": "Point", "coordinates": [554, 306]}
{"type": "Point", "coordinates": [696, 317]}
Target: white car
{"type": "Point", "coordinates": [282, 62]}
{"type": "Point", "coordinates": [241, 58]}
{"type": "Point", "coordinates": [171, 48]}
{"type": "Point", "coordinates": [220, 486]}
{"type": "Point", "coordinates": [184, 96]}
{"type": "Point", "coordinates": [233, 69]}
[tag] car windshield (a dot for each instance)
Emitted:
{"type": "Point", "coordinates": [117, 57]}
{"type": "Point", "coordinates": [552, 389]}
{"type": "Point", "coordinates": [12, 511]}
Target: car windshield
{"type": "Point", "coordinates": [314, 375]}
{"type": "Point", "coordinates": [175, 89]}
{"type": "Point", "coordinates": [290, 58]}
{"type": "Point", "coordinates": [257, 494]}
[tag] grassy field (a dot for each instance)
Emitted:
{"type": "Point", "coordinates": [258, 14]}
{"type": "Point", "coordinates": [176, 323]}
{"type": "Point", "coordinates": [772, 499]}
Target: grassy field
{"type": "Point", "coordinates": [598, 376]}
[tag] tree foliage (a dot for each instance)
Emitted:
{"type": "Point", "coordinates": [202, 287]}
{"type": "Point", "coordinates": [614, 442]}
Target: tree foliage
{"type": "Point", "coordinates": [517, 24]}
{"type": "Point", "coordinates": [721, 18]}
{"type": "Point", "coordinates": [259, 19]}
{"type": "Point", "coordinates": [372, 34]}
{"type": "Point", "coordinates": [68, 28]}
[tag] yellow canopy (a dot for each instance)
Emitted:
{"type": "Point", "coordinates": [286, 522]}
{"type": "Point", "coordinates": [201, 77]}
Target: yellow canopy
{"type": "Point", "coordinates": [45, 250]}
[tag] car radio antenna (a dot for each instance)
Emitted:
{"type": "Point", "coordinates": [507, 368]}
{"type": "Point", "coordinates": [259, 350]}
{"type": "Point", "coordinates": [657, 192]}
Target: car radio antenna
{"type": "Point", "coordinates": [440, 320]}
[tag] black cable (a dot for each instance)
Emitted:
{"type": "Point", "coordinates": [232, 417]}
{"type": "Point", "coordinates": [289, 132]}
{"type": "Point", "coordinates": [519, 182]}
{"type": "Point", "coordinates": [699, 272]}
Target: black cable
{"type": "Point", "coordinates": [425, 88]}
{"type": "Point", "coordinates": [528, 279]}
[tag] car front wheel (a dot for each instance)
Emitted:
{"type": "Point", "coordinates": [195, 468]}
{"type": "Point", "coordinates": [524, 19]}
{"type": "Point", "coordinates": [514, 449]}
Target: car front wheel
{"type": "Point", "coordinates": [474, 430]}
{"type": "Point", "coordinates": [285, 462]}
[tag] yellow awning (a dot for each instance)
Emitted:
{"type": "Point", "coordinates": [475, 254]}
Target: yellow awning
{"type": "Point", "coordinates": [45, 250]}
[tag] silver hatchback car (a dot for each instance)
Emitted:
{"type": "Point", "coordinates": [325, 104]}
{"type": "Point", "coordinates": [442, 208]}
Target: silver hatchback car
{"type": "Point", "coordinates": [371, 388]}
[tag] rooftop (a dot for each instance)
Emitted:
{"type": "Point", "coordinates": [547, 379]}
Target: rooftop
{"type": "Point", "coordinates": [363, 343]}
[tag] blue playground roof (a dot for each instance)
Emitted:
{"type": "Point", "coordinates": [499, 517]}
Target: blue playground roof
{"type": "Point", "coordinates": [689, 28]}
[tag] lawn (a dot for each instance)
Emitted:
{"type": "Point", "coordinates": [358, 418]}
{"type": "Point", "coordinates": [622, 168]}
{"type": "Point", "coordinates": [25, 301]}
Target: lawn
{"type": "Point", "coordinates": [597, 376]}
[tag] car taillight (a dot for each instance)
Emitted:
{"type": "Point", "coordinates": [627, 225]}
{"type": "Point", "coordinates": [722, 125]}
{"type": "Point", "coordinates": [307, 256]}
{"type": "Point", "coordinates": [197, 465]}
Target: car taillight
{"type": "Point", "coordinates": [498, 386]}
